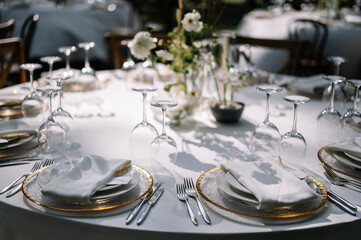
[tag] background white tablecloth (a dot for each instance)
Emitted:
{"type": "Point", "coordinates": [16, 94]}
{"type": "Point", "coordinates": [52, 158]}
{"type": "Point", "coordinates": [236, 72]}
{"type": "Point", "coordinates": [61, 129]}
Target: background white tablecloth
{"type": "Point", "coordinates": [202, 146]}
{"type": "Point", "coordinates": [343, 39]}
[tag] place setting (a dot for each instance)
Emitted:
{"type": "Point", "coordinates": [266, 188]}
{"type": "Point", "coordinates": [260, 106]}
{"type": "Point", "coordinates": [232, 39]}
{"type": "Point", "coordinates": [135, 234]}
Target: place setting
{"type": "Point", "coordinates": [87, 186]}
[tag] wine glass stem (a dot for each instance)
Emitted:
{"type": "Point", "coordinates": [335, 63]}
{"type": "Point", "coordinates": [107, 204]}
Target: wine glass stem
{"type": "Point", "coordinates": [67, 67]}
{"type": "Point", "coordinates": [163, 126]}
{"type": "Point", "coordinates": [87, 65]}
{"type": "Point", "coordinates": [50, 117]}
{"type": "Point", "coordinates": [294, 126]}
{"type": "Point", "coordinates": [50, 70]}
{"type": "Point", "coordinates": [267, 107]}
{"type": "Point", "coordinates": [355, 98]}
{"type": "Point", "coordinates": [58, 83]}
{"type": "Point", "coordinates": [144, 108]}
{"type": "Point", "coordinates": [31, 75]}
{"type": "Point", "coordinates": [332, 95]}
{"type": "Point", "coordinates": [337, 69]}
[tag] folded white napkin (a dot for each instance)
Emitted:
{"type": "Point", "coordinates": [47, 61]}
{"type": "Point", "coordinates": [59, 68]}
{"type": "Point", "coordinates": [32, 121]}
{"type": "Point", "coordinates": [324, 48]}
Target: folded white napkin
{"type": "Point", "coordinates": [86, 176]}
{"type": "Point", "coordinates": [352, 147]}
{"type": "Point", "coordinates": [270, 184]}
{"type": "Point", "coordinates": [310, 85]}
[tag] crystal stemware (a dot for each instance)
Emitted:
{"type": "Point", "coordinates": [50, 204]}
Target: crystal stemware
{"type": "Point", "coordinates": [67, 51]}
{"type": "Point", "coordinates": [32, 103]}
{"type": "Point", "coordinates": [293, 144]}
{"type": "Point", "coordinates": [129, 63]}
{"type": "Point", "coordinates": [266, 137]}
{"type": "Point", "coordinates": [352, 118]}
{"type": "Point", "coordinates": [53, 131]}
{"type": "Point", "coordinates": [340, 95]}
{"type": "Point", "coordinates": [163, 149]}
{"type": "Point", "coordinates": [143, 133]}
{"type": "Point", "coordinates": [87, 69]}
{"type": "Point", "coordinates": [329, 122]}
{"type": "Point", "coordinates": [61, 116]}
{"type": "Point", "coordinates": [50, 60]}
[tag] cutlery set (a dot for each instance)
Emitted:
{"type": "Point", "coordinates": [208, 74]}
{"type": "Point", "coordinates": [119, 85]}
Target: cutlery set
{"type": "Point", "coordinates": [188, 190]}
{"type": "Point", "coordinates": [149, 202]}
{"type": "Point", "coordinates": [15, 186]}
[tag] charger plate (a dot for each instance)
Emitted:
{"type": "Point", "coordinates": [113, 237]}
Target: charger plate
{"type": "Point", "coordinates": [14, 111]}
{"type": "Point", "coordinates": [207, 187]}
{"type": "Point", "coordinates": [17, 138]}
{"type": "Point", "coordinates": [30, 148]}
{"type": "Point", "coordinates": [330, 159]}
{"type": "Point", "coordinates": [32, 191]}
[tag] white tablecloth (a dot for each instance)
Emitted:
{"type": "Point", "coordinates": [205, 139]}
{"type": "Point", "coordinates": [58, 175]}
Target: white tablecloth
{"type": "Point", "coordinates": [202, 146]}
{"type": "Point", "coordinates": [343, 39]}
{"type": "Point", "coordinates": [70, 25]}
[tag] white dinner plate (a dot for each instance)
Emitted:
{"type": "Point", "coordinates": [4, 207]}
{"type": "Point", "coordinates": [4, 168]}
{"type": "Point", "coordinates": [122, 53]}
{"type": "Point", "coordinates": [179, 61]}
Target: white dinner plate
{"type": "Point", "coordinates": [106, 192]}
{"type": "Point", "coordinates": [346, 160]}
{"type": "Point", "coordinates": [225, 189]}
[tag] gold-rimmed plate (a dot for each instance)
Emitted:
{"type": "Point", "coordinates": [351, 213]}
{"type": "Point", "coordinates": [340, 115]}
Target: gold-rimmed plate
{"type": "Point", "coordinates": [32, 147]}
{"type": "Point", "coordinates": [330, 159]}
{"type": "Point", "coordinates": [207, 187]}
{"type": "Point", "coordinates": [32, 191]}
{"type": "Point", "coordinates": [16, 138]}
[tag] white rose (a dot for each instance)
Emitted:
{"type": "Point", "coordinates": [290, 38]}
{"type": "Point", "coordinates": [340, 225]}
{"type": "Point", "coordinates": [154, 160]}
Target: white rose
{"type": "Point", "coordinates": [141, 45]}
{"type": "Point", "coordinates": [191, 22]}
{"type": "Point", "coordinates": [164, 55]}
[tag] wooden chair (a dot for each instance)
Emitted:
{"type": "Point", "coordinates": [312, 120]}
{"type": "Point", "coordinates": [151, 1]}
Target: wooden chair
{"type": "Point", "coordinates": [312, 60]}
{"type": "Point", "coordinates": [292, 46]}
{"type": "Point", "coordinates": [7, 28]}
{"type": "Point", "coordinates": [10, 50]}
{"type": "Point", "coordinates": [118, 48]}
{"type": "Point", "coordinates": [27, 33]}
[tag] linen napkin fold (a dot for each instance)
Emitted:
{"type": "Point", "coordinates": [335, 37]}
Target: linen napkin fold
{"type": "Point", "coordinates": [310, 85]}
{"type": "Point", "coordinates": [86, 176]}
{"type": "Point", "coordinates": [270, 184]}
{"type": "Point", "coordinates": [352, 147]}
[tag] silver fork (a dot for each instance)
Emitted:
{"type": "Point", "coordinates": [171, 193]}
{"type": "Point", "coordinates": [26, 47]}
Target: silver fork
{"type": "Point", "coordinates": [337, 180]}
{"type": "Point", "coordinates": [17, 188]}
{"type": "Point", "coordinates": [182, 196]}
{"type": "Point", "coordinates": [35, 167]}
{"type": "Point", "coordinates": [191, 192]}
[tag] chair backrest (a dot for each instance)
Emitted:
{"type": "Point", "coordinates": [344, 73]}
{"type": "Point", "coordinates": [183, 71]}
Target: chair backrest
{"type": "Point", "coordinates": [7, 28]}
{"type": "Point", "coordinates": [10, 50]}
{"type": "Point", "coordinates": [27, 32]}
{"type": "Point", "coordinates": [119, 50]}
{"type": "Point", "coordinates": [292, 46]}
{"type": "Point", "coordinates": [315, 32]}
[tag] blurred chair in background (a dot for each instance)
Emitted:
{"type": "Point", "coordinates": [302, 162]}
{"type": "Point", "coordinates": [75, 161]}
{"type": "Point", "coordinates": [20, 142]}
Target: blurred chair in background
{"type": "Point", "coordinates": [27, 33]}
{"type": "Point", "coordinates": [312, 60]}
{"type": "Point", "coordinates": [7, 28]}
{"type": "Point", "coordinates": [10, 50]}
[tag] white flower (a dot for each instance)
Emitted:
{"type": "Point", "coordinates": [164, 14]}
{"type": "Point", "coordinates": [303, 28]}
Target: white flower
{"type": "Point", "coordinates": [141, 45]}
{"type": "Point", "coordinates": [164, 55]}
{"type": "Point", "coordinates": [191, 22]}
{"type": "Point", "coordinates": [197, 44]}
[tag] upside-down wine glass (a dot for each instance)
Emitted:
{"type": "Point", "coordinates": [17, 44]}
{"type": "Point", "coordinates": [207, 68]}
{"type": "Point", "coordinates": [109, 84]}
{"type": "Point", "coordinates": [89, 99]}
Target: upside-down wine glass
{"type": "Point", "coordinates": [143, 133]}
{"type": "Point", "coordinates": [53, 131]}
{"type": "Point", "coordinates": [352, 118]}
{"type": "Point", "coordinates": [32, 103]}
{"type": "Point", "coordinates": [340, 95]}
{"type": "Point", "coordinates": [329, 122]}
{"type": "Point", "coordinates": [266, 137]}
{"type": "Point", "coordinates": [50, 60]}
{"type": "Point", "coordinates": [293, 144]}
{"type": "Point", "coordinates": [163, 149]}
{"type": "Point", "coordinates": [129, 63]}
{"type": "Point", "coordinates": [67, 51]}
{"type": "Point", "coordinates": [87, 69]}
{"type": "Point", "coordinates": [61, 116]}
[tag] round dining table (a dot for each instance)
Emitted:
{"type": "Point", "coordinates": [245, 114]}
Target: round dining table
{"type": "Point", "coordinates": [203, 144]}
{"type": "Point", "coordinates": [343, 38]}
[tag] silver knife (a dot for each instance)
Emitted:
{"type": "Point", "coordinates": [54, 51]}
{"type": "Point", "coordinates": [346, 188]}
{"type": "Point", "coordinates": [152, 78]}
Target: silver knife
{"type": "Point", "coordinates": [13, 163]}
{"type": "Point", "coordinates": [135, 211]}
{"type": "Point", "coordinates": [150, 204]}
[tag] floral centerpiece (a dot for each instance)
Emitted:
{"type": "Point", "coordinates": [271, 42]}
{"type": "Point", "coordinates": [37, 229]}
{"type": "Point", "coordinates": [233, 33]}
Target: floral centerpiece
{"type": "Point", "coordinates": [188, 53]}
